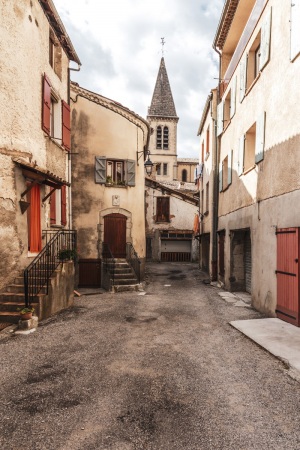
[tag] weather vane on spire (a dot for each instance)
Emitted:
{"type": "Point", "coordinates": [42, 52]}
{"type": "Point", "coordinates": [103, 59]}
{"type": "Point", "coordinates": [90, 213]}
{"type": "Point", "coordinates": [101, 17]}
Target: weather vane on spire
{"type": "Point", "coordinates": [162, 45]}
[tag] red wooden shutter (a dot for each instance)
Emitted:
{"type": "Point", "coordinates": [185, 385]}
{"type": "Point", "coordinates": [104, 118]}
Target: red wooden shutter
{"type": "Point", "coordinates": [46, 104]}
{"type": "Point", "coordinates": [63, 205]}
{"type": "Point", "coordinates": [66, 126]}
{"type": "Point", "coordinates": [53, 208]}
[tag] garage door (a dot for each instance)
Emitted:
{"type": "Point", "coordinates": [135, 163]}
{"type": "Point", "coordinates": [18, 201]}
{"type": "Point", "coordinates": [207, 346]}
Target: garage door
{"type": "Point", "coordinates": [175, 250]}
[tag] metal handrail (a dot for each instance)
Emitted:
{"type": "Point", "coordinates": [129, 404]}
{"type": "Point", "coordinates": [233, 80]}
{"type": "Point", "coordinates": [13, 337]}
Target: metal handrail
{"type": "Point", "coordinates": [133, 259]}
{"type": "Point", "coordinates": [38, 273]}
{"type": "Point", "coordinates": [108, 264]}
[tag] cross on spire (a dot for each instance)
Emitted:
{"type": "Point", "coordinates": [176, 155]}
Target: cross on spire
{"type": "Point", "coordinates": [162, 45]}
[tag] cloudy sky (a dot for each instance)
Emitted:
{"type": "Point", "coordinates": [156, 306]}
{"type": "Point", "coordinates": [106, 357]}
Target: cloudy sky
{"type": "Point", "coordinates": [119, 45]}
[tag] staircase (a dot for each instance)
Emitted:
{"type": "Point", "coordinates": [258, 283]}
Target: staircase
{"type": "Point", "coordinates": [14, 298]}
{"type": "Point", "coordinates": [124, 277]}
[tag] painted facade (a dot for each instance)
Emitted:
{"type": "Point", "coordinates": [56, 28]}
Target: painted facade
{"type": "Point", "coordinates": [258, 138]}
{"type": "Point", "coordinates": [35, 52]}
{"type": "Point", "coordinates": [206, 179]}
{"type": "Point", "coordinates": [109, 143]}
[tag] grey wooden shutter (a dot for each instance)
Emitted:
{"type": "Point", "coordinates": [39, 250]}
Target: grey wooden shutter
{"type": "Point", "coordinates": [220, 115]}
{"type": "Point", "coordinates": [100, 169]}
{"type": "Point", "coordinates": [265, 40]}
{"type": "Point", "coordinates": [229, 177]}
{"type": "Point", "coordinates": [130, 172]}
{"type": "Point", "coordinates": [220, 177]}
{"type": "Point", "coordinates": [295, 28]}
{"type": "Point", "coordinates": [243, 76]}
{"type": "Point", "coordinates": [260, 138]}
{"type": "Point", "coordinates": [233, 98]}
{"type": "Point", "coordinates": [241, 155]}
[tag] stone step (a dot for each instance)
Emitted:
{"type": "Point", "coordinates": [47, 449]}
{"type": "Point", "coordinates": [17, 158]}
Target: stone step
{"type": "Point", "coordinates": [125, 288]}
{"type": "Point", "coordinates": [13, 306]}
{"type": "Point", "coordinates": [124, 276]}
{"type": "Point", "coordinates": [10, 317]}
{"type": "Point", "coordinates": [127, 281]}
{"type": "Point", "coordinates": [19, 289]}
{"type": "Point", "coordinates": [16, 297]}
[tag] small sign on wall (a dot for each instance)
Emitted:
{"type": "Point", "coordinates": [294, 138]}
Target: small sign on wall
{"type": "Point", "coordinates": [116, 200]}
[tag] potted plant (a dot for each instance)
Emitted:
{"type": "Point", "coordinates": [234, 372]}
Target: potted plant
{"type": "Point", "coordinates": [26, 313]}
{"type": "Point", "coordinates": [109, 180]}
{"type": "Point", "coordinates": [67, 254]}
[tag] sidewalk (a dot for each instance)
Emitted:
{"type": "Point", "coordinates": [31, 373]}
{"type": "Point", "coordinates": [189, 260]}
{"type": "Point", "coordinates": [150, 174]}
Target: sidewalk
{"type": "Point", "coordinates": [279, 338]}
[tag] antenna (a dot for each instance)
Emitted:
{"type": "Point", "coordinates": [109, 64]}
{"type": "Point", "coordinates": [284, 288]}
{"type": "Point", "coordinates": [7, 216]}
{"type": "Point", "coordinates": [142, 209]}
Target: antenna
{"type": "Point", "coordinates": [162, 45]}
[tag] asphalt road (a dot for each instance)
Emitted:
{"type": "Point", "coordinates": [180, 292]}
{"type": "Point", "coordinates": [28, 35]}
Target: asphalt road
{"type": "Point", "coordinates": [161, 370]}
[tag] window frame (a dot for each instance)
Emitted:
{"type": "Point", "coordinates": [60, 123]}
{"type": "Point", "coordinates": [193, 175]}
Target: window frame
{"type": "Point", "coordinates": [163, 210]}
{"type": "Point", "coordinates": [159, 137]}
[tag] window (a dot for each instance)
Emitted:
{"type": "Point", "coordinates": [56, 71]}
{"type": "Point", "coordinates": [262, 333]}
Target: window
{"type": "Point", "coordinates": [258, 56]}
{"type": "Point", "coordinates": [202, 152]}
{"type": "Point", "coordinates": [225, 176]}
{"type": "Point", "coordinates": [253, 63]}
{"type": "Point", "coordinates": [207, 198]}
{"type": "Point", "coordinates": [58, 207]}
{"type": "Point", "coordinates": [114, 172]}
{"type": "Point", "coordinates": [220, 116]}
{"type": "Point", "coordinates": [55, 54]}
{"type": "Point", "coordinates": [251, 145]}
{"type": "Point", "coordinates": [51, 51]}
{"type": "Point", "coordinates": [158, 137]}
{"type": "Point", "coordinates": [166, 138]}
{"type": "Point", "coordinates": [158, 169]}
{"type": "Point", "coordinates": [165, 169]}
{"type": "Point", "coordinates": [162, 209]}
{"type": "Point", "coordinates": [55, 115]}
{"type": "Point", "coordinates": [227, 103]}
{"type": "Point", "coordinates": [202, 200]}
{"type": "Point", "coordinates": [207, 140]}
{"type": "Point", "coordinates": [184, 175]}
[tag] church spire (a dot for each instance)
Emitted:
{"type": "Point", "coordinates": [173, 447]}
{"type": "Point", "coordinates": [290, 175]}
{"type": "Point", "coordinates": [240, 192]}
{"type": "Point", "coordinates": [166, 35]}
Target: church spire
{"type": "Point", "coordinates": [162, 104]}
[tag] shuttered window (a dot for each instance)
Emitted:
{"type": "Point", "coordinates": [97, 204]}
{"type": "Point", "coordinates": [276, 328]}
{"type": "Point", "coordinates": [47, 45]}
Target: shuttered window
{"type": "Point", "coordinates": [260, 138]}
{"type": "Point", "coordinates": [265, 40]}
{"type": "Point", "coordinates": [163, 209]}
{"type": "Point", "coordinates": [166, 138]}
{"type": "Point", "coordinates": [220, 115]}
{"type": "Point", "coordinates": [66, 126]}
{"type": "Point", "coordinates": [241, 155]}
{"type": "Point", "coordinates": [58, 207]}
{"type": "Point", "coordinates": [114, 172]}
{"type": "Point", "coordinates": [295, 28]}
{"type": "Point", "coordinates": [46, 104]}
{"type": "Point", "coordinates": [53, 208]}
{"type": "Point", "coordinates": [158, 137]}
{"type": "Point", "coordinates": [233, 97]}
{"type": "Point", "coordinates": [243, 77]}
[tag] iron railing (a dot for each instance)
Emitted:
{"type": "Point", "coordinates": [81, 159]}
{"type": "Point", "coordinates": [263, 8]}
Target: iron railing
{"type": "Point", "coordinates": [108, 266]}
{"type": "Point", "coordinates": [38, 273]}
{"type": "Point", "coordinates": [133, 260]}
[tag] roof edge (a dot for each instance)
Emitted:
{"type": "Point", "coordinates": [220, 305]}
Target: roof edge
{"type": "Point", "coordinates": [225, 22]}
{"type": "Point", "coordinates": [204, 113]}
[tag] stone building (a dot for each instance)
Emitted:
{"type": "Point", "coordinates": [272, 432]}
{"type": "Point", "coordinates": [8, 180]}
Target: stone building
{"type": "Point", "coordinates": [109, 143]}
{"type": "Point", "coordinates": [170, 205]}
{"type": "Point", "coordinates": [35, 52]}
{"type": "Point", "coordinates": [258, 139]}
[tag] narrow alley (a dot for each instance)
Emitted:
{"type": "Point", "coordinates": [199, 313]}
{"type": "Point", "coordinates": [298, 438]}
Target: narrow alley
{"type": "Point", "coordinates": [160, 369]}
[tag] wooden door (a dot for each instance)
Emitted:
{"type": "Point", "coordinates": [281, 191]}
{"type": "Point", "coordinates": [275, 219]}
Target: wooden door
{"type": "Point", "coordinates": [89, 273]}
{"type": "Point", "coordinates": [288, 275]}
{"type": "Point", "coordinates": [115, 234]}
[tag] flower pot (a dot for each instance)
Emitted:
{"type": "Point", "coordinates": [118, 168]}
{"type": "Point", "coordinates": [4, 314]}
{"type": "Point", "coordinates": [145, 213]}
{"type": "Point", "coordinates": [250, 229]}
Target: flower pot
{"type": "Point", "coordinates": [26, 316]}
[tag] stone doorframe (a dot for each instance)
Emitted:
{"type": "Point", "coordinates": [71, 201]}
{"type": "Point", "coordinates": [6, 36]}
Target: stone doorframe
{"type": "Point", "coordinates": [106, 212]}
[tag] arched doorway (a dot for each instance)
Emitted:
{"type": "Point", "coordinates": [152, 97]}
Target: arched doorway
{"type": "Point", "coordinates": [115, 234]}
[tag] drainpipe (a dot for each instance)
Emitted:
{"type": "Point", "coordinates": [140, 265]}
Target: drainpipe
{"type": "Point", "coordinates": [70, 152]}
{"type": "Point", "coordinates": [216, 187]}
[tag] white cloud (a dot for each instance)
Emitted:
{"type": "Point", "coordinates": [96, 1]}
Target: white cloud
{"type": "Point", "coordinates": [118, 43]}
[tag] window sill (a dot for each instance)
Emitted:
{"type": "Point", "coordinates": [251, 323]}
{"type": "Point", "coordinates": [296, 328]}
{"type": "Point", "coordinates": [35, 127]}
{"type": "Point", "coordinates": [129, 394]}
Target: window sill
{"type": "Point", "coordinates": [227, 125]}
{"type": "Point", "coordinates": [55, 142]}
{"type": "Point", "coordinates": [112, 185]}
{"type": "Point", "coordinates": [249, 170]}
{"type": "Point", "coordinates": [57, 226]}
{"type": "Point", "coordinates": [226, 187]}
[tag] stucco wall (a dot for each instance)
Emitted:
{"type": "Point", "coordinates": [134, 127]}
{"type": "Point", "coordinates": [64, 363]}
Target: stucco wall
{"type": "Point", "coordinates": [24, 54]}
{"type": "Point", "coordinates": [100, 131]}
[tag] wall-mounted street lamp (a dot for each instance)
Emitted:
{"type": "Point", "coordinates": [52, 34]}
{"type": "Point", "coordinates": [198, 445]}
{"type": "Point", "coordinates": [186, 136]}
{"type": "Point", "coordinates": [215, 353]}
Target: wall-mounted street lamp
{"type": "Point", "coordinates": [148, 163]}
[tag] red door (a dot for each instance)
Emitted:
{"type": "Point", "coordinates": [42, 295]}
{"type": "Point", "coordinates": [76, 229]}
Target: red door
{"type": "Point", "coordinates": [34, 220]}
{"type": "Point", "coordinates": [115, 234]}
{"type": "Point", "coordinates": [288, 275]}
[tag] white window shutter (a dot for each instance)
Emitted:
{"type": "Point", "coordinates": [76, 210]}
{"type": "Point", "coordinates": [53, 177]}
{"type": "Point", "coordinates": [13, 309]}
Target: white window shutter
{"type": "Point", "coordinates": [100, 169]}
{"type": "Point", "coordinates": [131, 172]}
{"type": "Point", "coordinates": [295, 28]}
{"type": "Point", "coordinates": [233, 98]}
{"type": "Point", "coordinates": [220, 117]}
{"type": "Point", "coordinates": [220, 177]}
{"type": "Point", "coordinates": [265, 40]}
{"type": "Point", "coordinates": [229, 178]}
{"type": "Point", "coordinates": [241, 155]}
{"type": "Point", "coordinates": [260, 138]}
{"type": "Point", "coordinates": [243, 76]}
